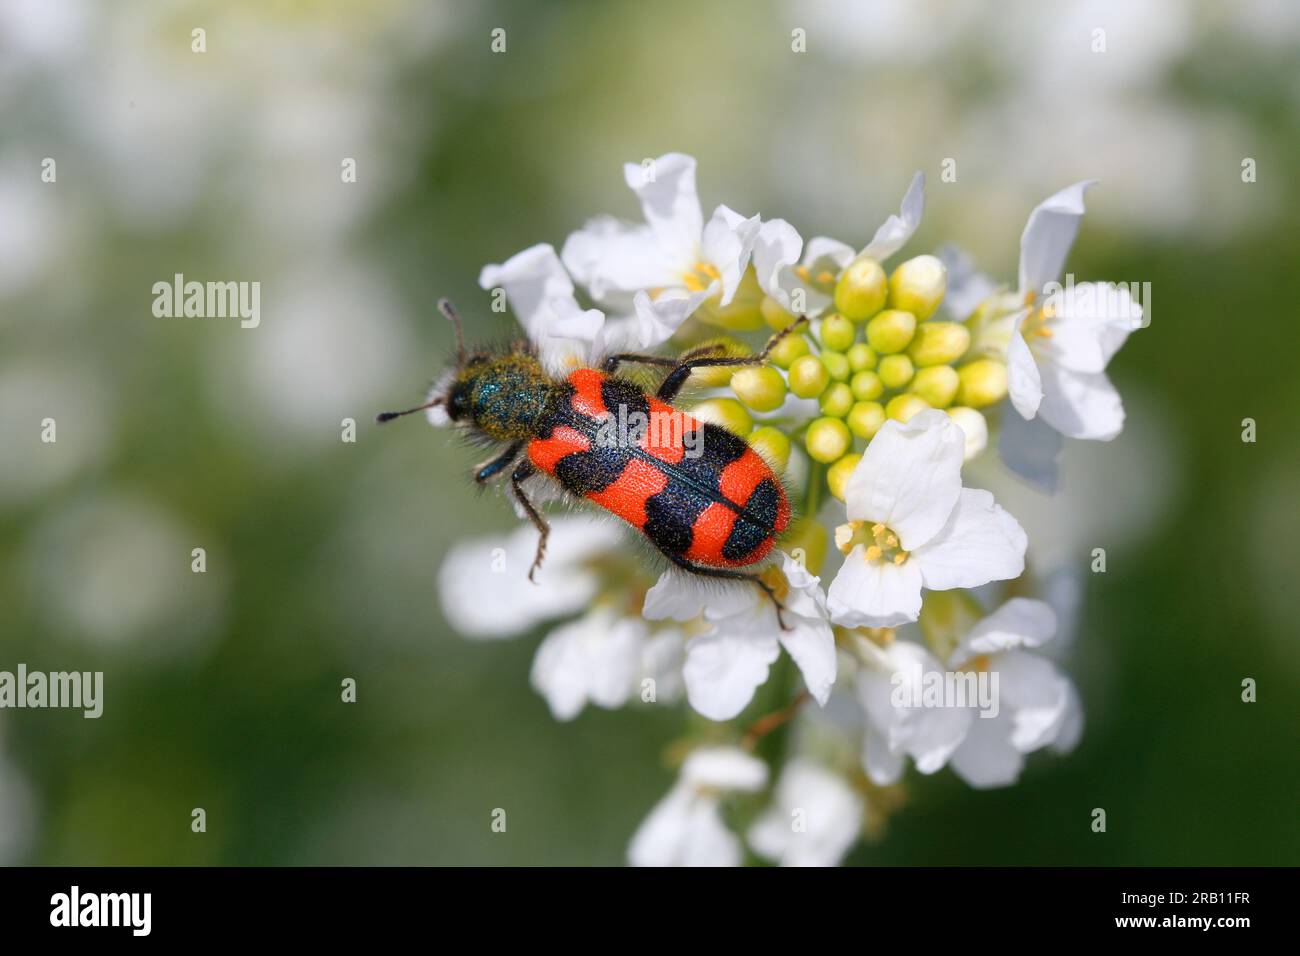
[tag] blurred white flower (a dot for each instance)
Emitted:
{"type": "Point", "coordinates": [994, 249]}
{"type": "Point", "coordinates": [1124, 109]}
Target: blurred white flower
{"type": "Point", "coordinates": [814, 819]}
{"type": "Point", "coordinates": [912, 525]}
{"type": "Point", "coordinates": [1038, 705]}
{"type": "Point", "coordinates": [729, 661]}
{"type": "Point", "coordinates": [1063, 340]}
{"type": "Point", "coordinates": [483, 583]}
{"type": "Point", "coordinates": [781, 270]}
{"type": "Point", "coordinates": [893, 731]}
{"type": "Point", "coordinates": [686, 828]}
{"type": "Point", "coordinates": [672, 264]}
{"type": "Point", "coordinates": [602, 658]}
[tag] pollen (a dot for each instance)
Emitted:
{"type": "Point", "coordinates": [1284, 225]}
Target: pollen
{"type": "Point", "coordinates": [879, 542]}
{"type": "Point", "coordinates": [700, 276]}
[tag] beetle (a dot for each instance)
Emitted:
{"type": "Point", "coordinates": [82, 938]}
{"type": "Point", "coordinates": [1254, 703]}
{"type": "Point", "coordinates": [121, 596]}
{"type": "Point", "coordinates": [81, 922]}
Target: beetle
{"type": "Point", "coordinates": [697, 491]}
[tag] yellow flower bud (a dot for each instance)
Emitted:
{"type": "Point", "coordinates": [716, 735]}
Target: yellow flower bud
{"type": "Point", "coordinates": [938, 343]}
{"type": "Point", "coordinates": [774, 314]}
{"type": "Point", "coordinates": [865, 419]}
{"type": "Point", "coordinates": [861, 290]}
{"type": "Point", "coordinates": [772, 445]}
{"type": "Point", "coordinates": [836, 333]}
{"type": "Point", "coordinates": [937, 385]}
{"type": "Point", "coordinates": [903, 407]}
{"type": "Point", "coordinates": [861, 357]}
{"type": "Point", "coordinates": [895, 371]}
{"type": "Point", "coordinates": [727, 412]}
{"type": "Point", "coordinates": [837, 364]}
{"type": "Point", "coordinates": [918, 286]}
{"type": "Point", "coordinates": [891, 331]}
{"type": "Point", "coordinates": [837, 476]}
{"type": "Point", "coordinates": [867, 386]}
{"type": "Point", "coordinates": [743, 313]}
{"type": "Point", "coordinates": [760, 387]}
{"type": "Point", "coordinates": [973, 426]}
{"type": "Point", "coordinates": [808, 376]}
{"type": "Point", "coordinates": [983, 382]}
{"type": "Point", "coordinates": [785, 352]}
{"type": "Point", "coordinates": [827, 439]}
{"type": "Point", "coordinates": [837, 400]}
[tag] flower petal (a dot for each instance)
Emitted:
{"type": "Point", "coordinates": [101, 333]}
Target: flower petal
{"type": "Point", "coordinates": [1090, 322]}
{"type": "Point", "coordinates": [727, 245]}
{"type": "Point", "coordinates": [595, 658]}
{"type": "Point", "coordinates": [1024, 382]}
{"type": "Point", "coordinates": [892, 694]}
{"type": "Point", "coordinates": [986, 758]}
{"type": "Point", "coordinates": [910, 477]}
{"type": "Point", "coordinates": [896, 230]}
{"type": "Point", "coordinates": [1020, 622]}
{"type": "Point", "coordinates": [657, 319]}
{"type": "Point", "coordinates": [812, 645]}
{"type": "Point", "coordinates": [1080, 405]}
{"type": "Point", "coordinates": [724, 768]}
{"type": "Point", "coordinates": [666, 189]}
{"type": "Point", "coordinates": [532, 280]}
{"type": "Point", "coordinates": [726, 665]}
{"type": "Point", "coordinates": [980, 543]}
{"type": "Point", "coordinates": [1038, 696]}
{"type": "Point", "coordinates": [967, 286]}
{"type": "Point", "coordinates": [1049, 234]}
{"type": "Point", "coordinates": [776, 247]}
{"type": "Point", "coordinates": [873, 593]}
{"type": "Point", "coordinates": [684, 829]}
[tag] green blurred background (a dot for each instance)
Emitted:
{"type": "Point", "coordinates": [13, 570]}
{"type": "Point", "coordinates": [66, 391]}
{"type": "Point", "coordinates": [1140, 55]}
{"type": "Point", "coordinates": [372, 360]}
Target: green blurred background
{"type": "Point", "coordinates": [222, 689]}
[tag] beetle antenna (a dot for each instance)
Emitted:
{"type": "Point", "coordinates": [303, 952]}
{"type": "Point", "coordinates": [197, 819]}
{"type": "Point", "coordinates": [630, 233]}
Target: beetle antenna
{"type": "Point", "coordinates": [389, 416]}
{"type": "Point", "coordinates": [449, 310]}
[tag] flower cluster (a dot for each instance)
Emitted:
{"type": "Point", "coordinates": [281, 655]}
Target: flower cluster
{"type": "Point", "coordinates": [923, 643]}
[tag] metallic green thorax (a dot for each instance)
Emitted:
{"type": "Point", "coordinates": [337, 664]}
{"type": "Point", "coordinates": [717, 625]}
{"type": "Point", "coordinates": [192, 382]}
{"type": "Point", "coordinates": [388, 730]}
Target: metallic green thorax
{"type": "Point", "coordinates": [505, 396]}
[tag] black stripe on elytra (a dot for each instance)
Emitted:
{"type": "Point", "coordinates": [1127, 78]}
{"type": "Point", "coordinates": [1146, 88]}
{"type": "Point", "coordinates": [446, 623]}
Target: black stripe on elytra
{"type": "Point", "coordinates": [761, 511]}
{"type": "Point", "coordinates": [671, 516]}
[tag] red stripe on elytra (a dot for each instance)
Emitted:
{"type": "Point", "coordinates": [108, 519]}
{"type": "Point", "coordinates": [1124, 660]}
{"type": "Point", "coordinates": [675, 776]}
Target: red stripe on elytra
{"type": "Point", "coordinates": [663, 438]}
{"type": "Point", "coordinates": [710, 533]}
{"type": "Point", "coordinates": [628, 494]}
{"type": "Point", "coordinates": [546, 453]}
{"type": "Point", "coordinates": [587, 398]}
{"type": "Point", "coordinates": [740, 477]}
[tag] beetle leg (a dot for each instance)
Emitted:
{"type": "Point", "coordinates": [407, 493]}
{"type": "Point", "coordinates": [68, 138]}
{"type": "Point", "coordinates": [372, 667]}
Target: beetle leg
{"type": "Point", "coordinates": [526, 470]}
{"type": "Point", "coordinates": [489, 470]}
{"type": "Point", "coordinates": [673, 383]}
{"type": "Point", "coordinates": [727, 574]}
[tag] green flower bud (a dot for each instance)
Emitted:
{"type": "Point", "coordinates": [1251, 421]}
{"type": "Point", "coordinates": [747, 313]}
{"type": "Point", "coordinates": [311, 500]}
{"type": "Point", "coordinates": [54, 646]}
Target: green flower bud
{"type": "Point", "coordinates": [983, 382]}
{"type": "Point", "coordinates": [861, 357]}
{"type": "Point", "coordinates": [837, 400]}
{"type": "Point", "coordinates": [837, 476]}
{"type": "Point", "coordinates": [937, 385]}
{"type": "Point", "coordinates": [772, 445]}
{"type": "Point", "coordinates": [903, 407]}
{"type": "Point", "coordinates": [867, 386]}
{"type": "Point", "coordinates": [895, 371]}
{"type": "Point", "coordinates": [938, 343]}
{"type": "Point", "coordinates": [727, 412]}
{"type": "Point", "coordinates": [827, 439]}
{"type": "Point", "coordinates": [918, 286]}
{"type": "Point", "coordinates": [743, 313]}
{"type": "Point", "coordinates": [774, 314]}
{"type": "Point", "coordinates": [760, 387]}
{"type": "Point", "coordinates": [837, 364]}
{"type": "Point", "coordinates": [808, 376]}
{"type": "Point", "coordinates": [865, 419]}
{"type": "Point", "coordinates": [836, 333]}
{"type": "Point", "coordinates": [785, 352]}
{"type": "Point", "coordinates": [891, 331]}
{"type": "Point", "coordinates": [809, 534]}
{"type": "Point", "coordinates": [861, 290]}
{"type": "Point", "coordinates": [973, 426]}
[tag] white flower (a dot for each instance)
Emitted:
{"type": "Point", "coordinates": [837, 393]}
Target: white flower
{"type": "Point", "coordinates": [1038, 705]}
{"type": "Point", "coordinates": [730, 660]}
{"type": "Point", "coordinates": [814, 819]}
{"type": "Point", "coordinates": [670, 265]}
{"type": "Point", "coordinates": [602, 658]}
{"type": "Point", "coordinates": [891, 688]}
{"type": "Point", "coordinates": [782, 270]}
{"type": "Point", "coordinates": [685, 828]}
{"type": "Point", "coordinates": [1064, 338]}
{"type": "Point", "coordinates": [484, 587]}
{"type": "Point", "coordinates": [541, 296]}
{"type": "Point", "coordinates": [912, 525]}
